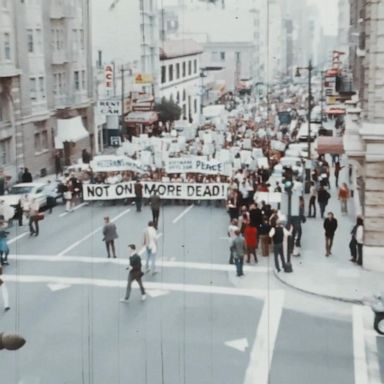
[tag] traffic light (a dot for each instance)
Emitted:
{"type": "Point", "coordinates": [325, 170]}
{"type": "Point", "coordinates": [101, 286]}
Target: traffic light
{"type": "Point", "coordinates": [10, 341]}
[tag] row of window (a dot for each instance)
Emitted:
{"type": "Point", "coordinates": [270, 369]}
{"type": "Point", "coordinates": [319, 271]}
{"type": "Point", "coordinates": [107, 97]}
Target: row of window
{"type": "Point", "coordinates": [5, 53]}
{"type": "Point", "coordinates": [178, 71]}
{"type": "Point", "coordinates": [37, 84]}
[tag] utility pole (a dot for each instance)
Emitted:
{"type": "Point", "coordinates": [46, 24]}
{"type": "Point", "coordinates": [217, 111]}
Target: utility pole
{"type": "Point", "coordinates": [122, 100]}
{"type": "Point", "coordinates": [310, 68]}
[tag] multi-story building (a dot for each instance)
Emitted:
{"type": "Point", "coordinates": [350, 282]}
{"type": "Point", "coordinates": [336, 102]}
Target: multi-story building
{"type": "Point", "coordinates": [180, 76]}
{"type": "Point", "coordinates": [364, 139]}
{"type": "Point", "coordinates": [343, 26]}
{"type": "Point", "coordinates": [45, 82]}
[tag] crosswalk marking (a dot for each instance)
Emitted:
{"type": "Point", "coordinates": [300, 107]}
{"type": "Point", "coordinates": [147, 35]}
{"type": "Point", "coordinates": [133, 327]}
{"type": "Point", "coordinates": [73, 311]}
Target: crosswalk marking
{"type": "Point", "coordinates": [73, 209]}
{"type": "Point", "coordinates": [182, 214]}
{"type": "Point", "coordinates": [175, 287]}
{"type": "Point", "coordinates": [359, 355]}
{"type": "Point", "coordinates": [125, 262]}
{"type": "Point", "coordinates": [262, 351]}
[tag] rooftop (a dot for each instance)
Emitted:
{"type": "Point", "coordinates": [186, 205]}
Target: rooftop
{"type": "Point", "coordinates": [171, 49]}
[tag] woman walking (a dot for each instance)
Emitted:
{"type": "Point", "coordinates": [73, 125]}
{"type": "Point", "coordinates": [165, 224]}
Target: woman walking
{"type": "Point", "coordinates": [343, 197]}
{"type": "Point", "coordinates": [4, 249]}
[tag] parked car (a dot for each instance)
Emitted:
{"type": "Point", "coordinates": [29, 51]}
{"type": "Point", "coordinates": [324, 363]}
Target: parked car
{"type": "Point", "coordinates": [35, 190]}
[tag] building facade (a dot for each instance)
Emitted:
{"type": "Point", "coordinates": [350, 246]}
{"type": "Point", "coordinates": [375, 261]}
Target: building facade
{"type": "Point", "coordinates": [364, 139]}
{"type": "Point", "coordinates": [180, 76]}
{"type": "Point", "coordinates": [45, 76]}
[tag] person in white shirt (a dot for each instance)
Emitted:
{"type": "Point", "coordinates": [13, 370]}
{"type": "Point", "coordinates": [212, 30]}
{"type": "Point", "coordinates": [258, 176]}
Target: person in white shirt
{"type": "Point", "coordinates": [4, 292]}
{"type": "Point", "coordinates": [150, 244]}
{"type": "Point", "coordinates": [233, 227]}
{"type": "Point", "coordinates": [33, 217]}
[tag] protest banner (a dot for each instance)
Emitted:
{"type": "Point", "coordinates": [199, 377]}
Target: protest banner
{"type": "Point", "coordinates": [194, 165]}
{"type": "Point", "coordinates": [174, 191]}
{"type": "Point", "coordinates": [116, 164]}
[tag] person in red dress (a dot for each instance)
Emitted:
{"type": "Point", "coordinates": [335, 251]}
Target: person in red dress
{"type": "Point", "coordinates": [250, 236]}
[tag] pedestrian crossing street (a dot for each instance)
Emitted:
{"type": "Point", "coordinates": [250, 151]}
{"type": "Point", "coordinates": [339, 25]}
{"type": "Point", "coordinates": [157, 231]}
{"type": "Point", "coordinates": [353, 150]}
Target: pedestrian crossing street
{"type": "Point", "coordinates": [367, 344]}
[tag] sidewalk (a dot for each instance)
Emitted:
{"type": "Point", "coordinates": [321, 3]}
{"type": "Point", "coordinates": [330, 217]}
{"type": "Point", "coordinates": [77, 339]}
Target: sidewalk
{"type": "Point", "coordinates": [332, 277]}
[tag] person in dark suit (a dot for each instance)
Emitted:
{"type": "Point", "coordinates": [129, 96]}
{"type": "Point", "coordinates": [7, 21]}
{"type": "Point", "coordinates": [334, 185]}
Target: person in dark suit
{"type": "Point", "coordinates": [27, 176]}
{"type": "Point", "coordinates": [330, 226]}
{"type": "Point", "coordinates": [138, 195]}
{"type": "Point", "coordinates": [155, 202]}
{"type": "Point", "coordinates": [110, 235]}
{"type": "Point", "coordinates": [135, 273]}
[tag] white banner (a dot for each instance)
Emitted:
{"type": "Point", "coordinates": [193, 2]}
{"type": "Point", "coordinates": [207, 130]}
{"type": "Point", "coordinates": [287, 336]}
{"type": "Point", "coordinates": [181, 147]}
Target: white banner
{"type": "Point", "coordinates": [194, 165]}
{"type": "Point", "coordinates": [116, 164]}
{"type": "Point", "coordinates": [182, 191]}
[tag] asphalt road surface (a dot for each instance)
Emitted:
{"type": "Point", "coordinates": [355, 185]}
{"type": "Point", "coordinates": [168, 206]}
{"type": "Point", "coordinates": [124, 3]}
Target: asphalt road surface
{"type": "Point", "coordinates": [200, 323]}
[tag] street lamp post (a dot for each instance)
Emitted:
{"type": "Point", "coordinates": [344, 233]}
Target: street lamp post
{"type": "Point", "coordinates": [298, 74]}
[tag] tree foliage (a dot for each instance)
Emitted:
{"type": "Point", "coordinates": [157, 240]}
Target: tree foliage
{"type": "Point", "coordinates": [168, 111]}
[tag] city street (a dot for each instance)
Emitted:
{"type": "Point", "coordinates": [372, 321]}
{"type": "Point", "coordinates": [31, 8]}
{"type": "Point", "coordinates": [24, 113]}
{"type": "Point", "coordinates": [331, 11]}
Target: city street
{"type": "Point", "coordinates": [199, 324]}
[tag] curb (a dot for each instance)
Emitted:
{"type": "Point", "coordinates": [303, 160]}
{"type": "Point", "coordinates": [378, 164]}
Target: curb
{"type": "Point", "coordinates": [329, 297]}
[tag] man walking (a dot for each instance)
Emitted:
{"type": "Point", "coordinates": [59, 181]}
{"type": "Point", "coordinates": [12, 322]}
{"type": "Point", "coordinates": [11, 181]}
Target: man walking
{"type": "Point", "coordinates": [138, 195]}
{"type": "Point", "coordinates": [155, 203]}
{"type": "Point", "coordinates": [110, 235]}
{"type": "Point", "coordinates": [150, 244]}
{"type": "Point", "coordinates": [33, 217]}
{"type": "Point", "coordinates": [135, 273]}
{"type": "Point", "coordinates": [330, 226]}
{"type": "Point", "coordinates": [322, 198]}
{"type": "Point", "coordinates": [312, 200]}
{"type": "Point", "coordinates": [239, 250]}
{"type": "Point", "coordinates": [277, 234]}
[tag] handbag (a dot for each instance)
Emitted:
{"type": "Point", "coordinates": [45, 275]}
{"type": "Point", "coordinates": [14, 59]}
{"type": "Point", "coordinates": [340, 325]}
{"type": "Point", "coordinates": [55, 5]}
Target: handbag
{"type": "Point", "coordinates": [40, 216]}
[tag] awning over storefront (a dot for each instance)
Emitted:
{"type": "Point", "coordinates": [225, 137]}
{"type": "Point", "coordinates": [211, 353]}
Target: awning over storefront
{"type": "Point", "coordinates": [330, 144]}
{"type": "Point", "coordinates": [70, 130]}
{"type": "Point", "coordinates": [141, 117]}
{"type": "Point", "coordinates": [335, 111]}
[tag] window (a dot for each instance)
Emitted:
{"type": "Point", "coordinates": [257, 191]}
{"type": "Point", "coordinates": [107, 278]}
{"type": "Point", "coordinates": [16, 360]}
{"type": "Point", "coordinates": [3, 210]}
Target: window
{"type": "Point", "coordinates": [214, 56]}
{"type": "Point", "coordinates": [83, 80]}
{"type": "Point", "coordinates": [184, 95]}
{"type": "Point", "coordinates": [76, 79]}
{"type": "Point", "coordinates": [163, 74]}
{"type": "Point", "coordinates": [37, 142]}
{"type": "Point", "coordinates": [184, 111]}
{"type": "Point", "coordinates": [184, 69]}
{"type": "Point", "coordinates": [82, 45]}
{"type": "Point", "coordinates": [38, 39]}
{"type": "Point", "coordinates": [7, 46]}
{"type": "Point", "coordinates": [170, 72]}
{"type": "Point", "coordinates": [75, 45]}
{"type": "Point", "coordinates": [178, 97]}
{"type": "Point", "coordinates": [41, 87]}
{"type": "Point", "coordinates": [222, 56]}
{"type": "Point", "coordinates": [195, 105]}
{"type": "Point", "coordinates": [57, 36]}
{"type": "Point", "coordinates": [58, 83]}
{"type": "Point", "coordinates": [32, 88]}
{"type": "Point", "coordinates": [5, 151]}
{"type": "Point", "coordinates": [30, 40]}
{"type": "Point", "coordinates": [195, 66]}
{"type": "Point", "coordinates": [44, 139]}
{"type": "Point", "coordinates": [178, 71]}
{"type": "Point", "coordinates": [189, 68]}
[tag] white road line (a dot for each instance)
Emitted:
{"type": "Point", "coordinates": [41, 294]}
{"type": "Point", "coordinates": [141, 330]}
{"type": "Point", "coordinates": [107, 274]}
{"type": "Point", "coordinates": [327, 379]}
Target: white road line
{"type": "Point", "coordinates": [178, 218]}
{"type": "Point", "coordinates": [74, 245]}
{"type": "Point", "coordinates": [74, 209]}
{"type": "Point", "coordinates": [189, 288]}
{"type": "Point", "coordinates": [262, 350]}
{"type": "Point", "coordinates": [14, 239]}
{"type": "Point", "coordinates": [124, 261]}
{"type": "Point", "coordinates": [359, 355]}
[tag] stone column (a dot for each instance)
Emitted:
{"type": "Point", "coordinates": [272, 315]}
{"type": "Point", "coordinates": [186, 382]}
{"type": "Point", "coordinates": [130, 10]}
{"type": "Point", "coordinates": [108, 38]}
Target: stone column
{"type": "Point", "coordinates": [373, 137]}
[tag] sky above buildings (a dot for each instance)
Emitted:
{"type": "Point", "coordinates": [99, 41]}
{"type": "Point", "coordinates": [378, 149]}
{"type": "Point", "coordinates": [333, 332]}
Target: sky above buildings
{"type": "Point", "coordinates": [328, 13]}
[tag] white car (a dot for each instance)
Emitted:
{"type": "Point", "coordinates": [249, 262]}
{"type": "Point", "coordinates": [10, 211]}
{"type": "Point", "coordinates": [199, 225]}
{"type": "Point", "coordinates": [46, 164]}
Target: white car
{"type": "Point", "coordinates": [34, 190]}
